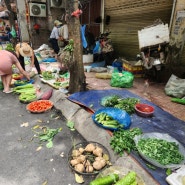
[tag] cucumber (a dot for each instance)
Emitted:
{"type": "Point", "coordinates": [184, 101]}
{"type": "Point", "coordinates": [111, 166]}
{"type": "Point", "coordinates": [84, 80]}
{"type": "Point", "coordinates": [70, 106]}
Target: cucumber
{"type": "Point", "coordinates": [129, 179]}
{"type": "Point", "coordinates": [106, 180]}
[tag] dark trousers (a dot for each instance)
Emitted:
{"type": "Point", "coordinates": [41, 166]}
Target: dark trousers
{"type": "Point", "coordinates": [54, 43]}
{"type": "Point", "coordinates": [36, 63]}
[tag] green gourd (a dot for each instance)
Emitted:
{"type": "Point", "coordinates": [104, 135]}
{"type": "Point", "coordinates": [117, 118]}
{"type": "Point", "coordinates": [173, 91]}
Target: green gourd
{"type": "Point", "coordinates": [106, 180]}
{"type": "Point", "coordinates": [178, 100]}
{"type": "Point", "coordinates": [129, 179]}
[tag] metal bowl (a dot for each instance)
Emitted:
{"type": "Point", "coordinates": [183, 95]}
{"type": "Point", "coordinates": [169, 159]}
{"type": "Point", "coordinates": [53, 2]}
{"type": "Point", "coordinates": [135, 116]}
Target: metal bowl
{"type": "Point", "coordinates": [87, 154]}
{"type": "Point", "coordinates": [144, 110]}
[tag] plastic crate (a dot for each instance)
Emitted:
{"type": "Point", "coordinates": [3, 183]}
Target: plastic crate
{"type": "Point", "coordinates": [134, 67]}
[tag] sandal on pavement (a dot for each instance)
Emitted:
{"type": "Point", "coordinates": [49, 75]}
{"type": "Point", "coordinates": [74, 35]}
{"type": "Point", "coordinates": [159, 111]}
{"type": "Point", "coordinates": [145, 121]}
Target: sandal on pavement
{"type": "Point", "coordinates": [7, 92]}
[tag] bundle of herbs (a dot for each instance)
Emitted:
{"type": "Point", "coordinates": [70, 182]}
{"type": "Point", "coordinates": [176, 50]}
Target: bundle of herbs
{"type": "Point", "coordinates": [126, 104]}
{"type": "Point", "coordinates": [122, 140]}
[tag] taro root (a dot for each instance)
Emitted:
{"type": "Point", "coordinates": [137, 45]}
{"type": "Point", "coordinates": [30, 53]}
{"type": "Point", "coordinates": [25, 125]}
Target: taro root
{"type": "Point", "coordinates": [90, 147]}
{"type": "Point", "coordinates": [89, 169]}
{"type": "Point", "coordinates": [79, 167]}
{"type": "Point", "coordinates": [76, 153]}
{"type": "Point", "coordinates": [99, 163]}
{"type": "Point", "coordinates": [86, 163]}
{"type": "Point", "coordinates": [81, 158]}
{"type": "Point", "coordinates": [98, 152]}
{"type": "Point", "coordinates": [81, 150]}
{"type": "Point", "coordinates": [74, 162]}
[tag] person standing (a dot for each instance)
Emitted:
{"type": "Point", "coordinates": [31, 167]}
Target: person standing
{"type": "Point", "coordinates": [7, 60]}
{"type": "Point", "coordinates": [54, 36]}
{"type": "Point", "coordinates": [22, 50]}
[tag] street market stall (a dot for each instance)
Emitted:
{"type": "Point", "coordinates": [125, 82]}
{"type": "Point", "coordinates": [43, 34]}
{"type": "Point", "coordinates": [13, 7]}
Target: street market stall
{"type": "Point", "coordinates": [160, 122]}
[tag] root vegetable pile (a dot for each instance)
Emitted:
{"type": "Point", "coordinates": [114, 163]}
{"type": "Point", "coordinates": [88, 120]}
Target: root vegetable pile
{"type": "Point", "coordinates": [89, 159]}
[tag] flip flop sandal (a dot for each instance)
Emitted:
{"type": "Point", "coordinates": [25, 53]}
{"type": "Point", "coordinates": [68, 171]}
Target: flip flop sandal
{"type": "Point", "coordinates": [7, 92]}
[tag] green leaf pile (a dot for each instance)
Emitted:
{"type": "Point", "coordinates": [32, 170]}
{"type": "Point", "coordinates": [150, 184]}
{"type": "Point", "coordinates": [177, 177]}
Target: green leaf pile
{"type": "Point", "coordinates": [47, 136]}
{"type": "Point", "coordinates": [123, 140]}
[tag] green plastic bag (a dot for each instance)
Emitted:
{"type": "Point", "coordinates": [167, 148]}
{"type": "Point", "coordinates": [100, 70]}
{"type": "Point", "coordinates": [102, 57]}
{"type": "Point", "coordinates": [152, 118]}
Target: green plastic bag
{"type": "Point", "coordinates": [124, 79]}
{"type": "Point", "coordinates": [13, 32]}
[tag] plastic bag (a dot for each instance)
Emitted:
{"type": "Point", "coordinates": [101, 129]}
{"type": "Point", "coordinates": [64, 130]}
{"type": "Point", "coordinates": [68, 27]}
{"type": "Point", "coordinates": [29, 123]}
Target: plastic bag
{"type": "Point", "coordinates": [13, 32]}
{"type": "Point", "coordinates": [117, 114]}
{"type": "Point", "coordinates": [123, 79]}
{"type": "Point", "coordinates": [162, 136]}
{"type": "Point", "coordinates": [175, 87]}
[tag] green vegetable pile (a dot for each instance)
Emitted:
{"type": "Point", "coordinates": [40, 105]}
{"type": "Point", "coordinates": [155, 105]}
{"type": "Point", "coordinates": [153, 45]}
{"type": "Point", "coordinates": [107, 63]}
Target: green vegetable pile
{"type": "Point", "coordinates": [128, 179]}
{"type": "Point", "coordinates": [9, 47]}
{"type": "Point", "coordinates": [47, 75]}
{"type": "Point", "coordinates": [107, 121]}
{"type": "Point", "coordinates": [28, 88]}
{"type": "Point", "coordinates": [160, 150]}
{"type": "Point", "coordinates": [110, 101]}
{"type": "Point", "coordinates": [122, 140]}
{"type": "Point", "coordinates": [126, 104]}
{"type": "Point", "coordinates": [27, 97]}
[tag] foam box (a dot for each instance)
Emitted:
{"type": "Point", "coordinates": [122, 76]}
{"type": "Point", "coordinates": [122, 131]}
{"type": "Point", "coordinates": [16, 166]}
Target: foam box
{"type": "Point", "coordinates": [177, 177]}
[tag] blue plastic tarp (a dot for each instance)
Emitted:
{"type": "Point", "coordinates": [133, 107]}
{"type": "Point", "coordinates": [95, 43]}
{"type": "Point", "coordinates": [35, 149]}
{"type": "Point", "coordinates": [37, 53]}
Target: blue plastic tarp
{"type": "Point", "coordinates": [161, 121]}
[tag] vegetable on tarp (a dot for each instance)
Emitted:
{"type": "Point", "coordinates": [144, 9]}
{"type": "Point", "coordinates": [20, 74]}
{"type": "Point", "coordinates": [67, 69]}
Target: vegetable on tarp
{"type": "Point", "coordinates": [122, 140]}
{"type": "Point", "coordinates": [116, 101]}
{"type": "Point", "coordinates": [110, 101]}
{"type": "Point", "coordinates": [106, 180]}
{"type": "Point", "coordinates": [107, 120]}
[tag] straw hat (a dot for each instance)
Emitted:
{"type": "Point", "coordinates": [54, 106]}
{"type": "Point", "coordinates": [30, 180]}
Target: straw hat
{"type": "Point", "coordinates": [24, 49]}
{"type": "Point", "coordinates": [57, 22]}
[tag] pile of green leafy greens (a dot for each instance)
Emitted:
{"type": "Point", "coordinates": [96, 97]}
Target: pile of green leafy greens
{"type": "Point", "coordinates": [123, 140]}
{"type": "Point", "coordinates": [126, 104]}
{"type": "Point", "coordinates": [162, 151]}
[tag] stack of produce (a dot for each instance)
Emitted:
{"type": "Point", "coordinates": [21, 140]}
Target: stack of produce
{"type": "Point", "coordinates": [107, 121]}
{"type": "Point", "coordinates": [27, 93]}
{"type": "Point", "coordinates": [89, 158]}
{"type": "Point", "coordinates": [115, 101]}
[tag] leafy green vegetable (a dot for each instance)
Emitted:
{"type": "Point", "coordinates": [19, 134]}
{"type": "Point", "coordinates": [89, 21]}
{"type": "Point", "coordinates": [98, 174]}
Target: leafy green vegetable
{"type": "Point", "coordinates": [110, 101]}
{"type": "Point", "coordinates": [126, 104]}
{"type": "Point", "coordinates": [122, 140]}
{"type": "Point", "coordinates": [168, 171]}
{"type": "Point", "coordinates": [47, 75]}
{"type": "Point", "coordinates": [71, 125]}
{"type": "Point", "coordinates": [162, 151]}
{"type": "Point", "coordinates": [47, 135]}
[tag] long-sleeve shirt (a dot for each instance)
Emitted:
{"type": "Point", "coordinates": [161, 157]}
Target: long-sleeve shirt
{"type": "Point", "coordinates": [54, 33]}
